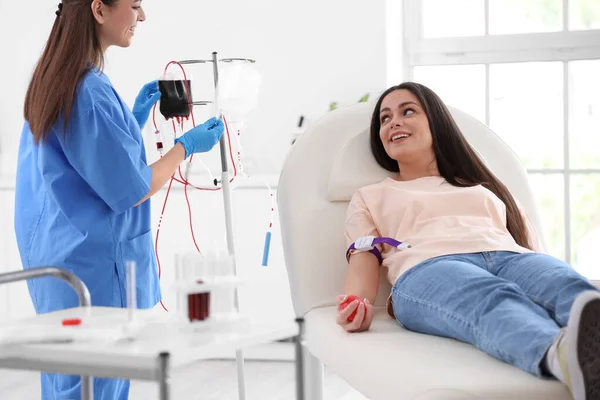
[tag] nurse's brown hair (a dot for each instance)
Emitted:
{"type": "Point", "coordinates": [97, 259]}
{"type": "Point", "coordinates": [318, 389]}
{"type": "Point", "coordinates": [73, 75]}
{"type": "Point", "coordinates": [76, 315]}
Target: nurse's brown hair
{"type": "Point", "coordinates": [73, 47]}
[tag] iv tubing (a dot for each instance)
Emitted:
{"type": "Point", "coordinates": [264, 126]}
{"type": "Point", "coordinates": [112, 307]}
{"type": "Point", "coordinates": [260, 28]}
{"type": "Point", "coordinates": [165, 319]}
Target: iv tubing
{"type": "Point", "coordinates": [183, 180]}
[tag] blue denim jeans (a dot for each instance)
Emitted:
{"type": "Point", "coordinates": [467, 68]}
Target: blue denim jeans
{"type": "Point", "coordinates": [506, 304]}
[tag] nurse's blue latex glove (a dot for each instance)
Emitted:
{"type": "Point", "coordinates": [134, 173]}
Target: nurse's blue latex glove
{"type": "Point", "coordinates": [144, 102]}
{"type": "Point", "coordinates": [201, 138]}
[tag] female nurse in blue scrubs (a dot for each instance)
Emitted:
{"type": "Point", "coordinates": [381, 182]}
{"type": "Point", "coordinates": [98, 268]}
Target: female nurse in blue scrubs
{"type": "Point", "coordinates": [83, 183]}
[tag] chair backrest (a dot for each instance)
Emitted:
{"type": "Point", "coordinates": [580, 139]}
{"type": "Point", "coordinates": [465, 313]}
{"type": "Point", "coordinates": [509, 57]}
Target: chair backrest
{"type": "Point", "coordinates": [324, 168]}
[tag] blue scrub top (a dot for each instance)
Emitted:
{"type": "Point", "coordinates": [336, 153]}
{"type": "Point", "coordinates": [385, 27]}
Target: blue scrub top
{"type": "Point", "coordinates": [75, 197]}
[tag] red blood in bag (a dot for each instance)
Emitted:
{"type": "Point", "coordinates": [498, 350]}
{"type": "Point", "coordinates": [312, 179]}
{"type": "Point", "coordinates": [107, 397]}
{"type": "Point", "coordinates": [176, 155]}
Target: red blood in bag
{"type": "Point", "coordinates": [349, 300]}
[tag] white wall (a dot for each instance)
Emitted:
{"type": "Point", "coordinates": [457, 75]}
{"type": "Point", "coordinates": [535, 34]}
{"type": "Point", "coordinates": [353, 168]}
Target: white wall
{"type": "Point", "coordinates": [309, 53]}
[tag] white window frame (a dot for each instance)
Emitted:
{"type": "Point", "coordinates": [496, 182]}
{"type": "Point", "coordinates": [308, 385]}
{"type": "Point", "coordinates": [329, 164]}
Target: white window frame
{"type": "Point", "coordinates": [563, 46]}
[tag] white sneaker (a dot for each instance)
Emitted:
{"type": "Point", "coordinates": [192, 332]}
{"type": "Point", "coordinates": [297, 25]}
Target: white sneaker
{"type": "Point", "coordinates": [579, 354]}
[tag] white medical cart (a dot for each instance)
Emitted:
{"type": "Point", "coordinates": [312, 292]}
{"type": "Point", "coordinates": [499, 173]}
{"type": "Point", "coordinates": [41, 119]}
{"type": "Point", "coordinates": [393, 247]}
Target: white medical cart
{"type": "Point", "coordinates": [153, 355]}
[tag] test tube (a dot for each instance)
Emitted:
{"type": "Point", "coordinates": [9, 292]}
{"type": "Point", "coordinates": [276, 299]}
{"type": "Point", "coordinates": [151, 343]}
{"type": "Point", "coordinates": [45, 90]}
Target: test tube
{"type": "Point", "coordinates": [131, 289]}
{"type": "Point", "coordinates": [198, 303]}
{"type": "Point", "coordinates": [159, 142]}
{"type": "Point", "coordinates": [189, 275]}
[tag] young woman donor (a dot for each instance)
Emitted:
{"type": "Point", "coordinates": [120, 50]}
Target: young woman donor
{"type": "Point", "coordinates": [83, 183]}
{"type": "Point", "coordinates": [474, 271]}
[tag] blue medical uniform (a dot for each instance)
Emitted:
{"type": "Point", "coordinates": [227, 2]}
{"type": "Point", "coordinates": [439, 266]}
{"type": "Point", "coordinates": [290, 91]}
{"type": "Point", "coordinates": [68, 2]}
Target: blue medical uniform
{"type": "Point", "coordinates": [74, 209]}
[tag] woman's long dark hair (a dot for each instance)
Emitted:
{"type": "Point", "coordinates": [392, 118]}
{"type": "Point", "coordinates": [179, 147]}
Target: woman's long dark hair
{"type": "Point", "coordinates": [72, 47]}
{"type": "Point", "coordinates": [456, 160]}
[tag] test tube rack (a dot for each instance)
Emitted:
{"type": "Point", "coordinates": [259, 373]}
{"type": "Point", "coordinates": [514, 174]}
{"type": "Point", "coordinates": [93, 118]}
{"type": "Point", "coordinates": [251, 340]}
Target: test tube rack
{"type": "Point", "coordinates": [205, 288]}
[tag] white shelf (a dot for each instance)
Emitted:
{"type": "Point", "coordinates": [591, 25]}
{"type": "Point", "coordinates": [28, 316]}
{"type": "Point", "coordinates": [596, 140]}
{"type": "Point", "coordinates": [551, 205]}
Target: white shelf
{"type": "Point", "coordinates": [137, 358]}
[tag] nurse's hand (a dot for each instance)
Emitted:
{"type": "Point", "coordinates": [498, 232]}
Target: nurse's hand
{"type": "Point", "coordinates": [201, 138]}
{"type": "Point", "coordinates": [144, 102]}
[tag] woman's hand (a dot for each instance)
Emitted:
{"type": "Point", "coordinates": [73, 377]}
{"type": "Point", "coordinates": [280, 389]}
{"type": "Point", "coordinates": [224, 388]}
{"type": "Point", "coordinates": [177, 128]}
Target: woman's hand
{"type": "Point", "coordinates": [363, 317]}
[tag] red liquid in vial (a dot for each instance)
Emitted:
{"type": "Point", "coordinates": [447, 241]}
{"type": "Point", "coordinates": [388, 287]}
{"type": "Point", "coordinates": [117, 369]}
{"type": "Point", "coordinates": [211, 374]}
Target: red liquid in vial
{"type": "Point", "coordinates": [198, 306]}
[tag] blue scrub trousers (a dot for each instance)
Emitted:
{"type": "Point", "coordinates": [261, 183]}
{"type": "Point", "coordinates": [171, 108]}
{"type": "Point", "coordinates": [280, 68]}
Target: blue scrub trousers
{"type": "Point", "coordinates": [507, 304]}
{"type": "Point", "coordinates": [68, 387]}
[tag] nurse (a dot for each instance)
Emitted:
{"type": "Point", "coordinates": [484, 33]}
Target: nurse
{"type": "Point", "coordinates": [83, 183]}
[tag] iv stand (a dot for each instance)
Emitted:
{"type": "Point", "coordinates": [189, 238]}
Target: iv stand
{"type": "Point", "coordinates": [228, 215]}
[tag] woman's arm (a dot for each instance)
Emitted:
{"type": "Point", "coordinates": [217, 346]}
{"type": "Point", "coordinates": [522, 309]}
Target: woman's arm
{"type": "Point", "coordinates": [362, 280]}
{"type": "Point", "coordinates": [163, 169]}
{"type": "Point", "coordinates": [362, 276]}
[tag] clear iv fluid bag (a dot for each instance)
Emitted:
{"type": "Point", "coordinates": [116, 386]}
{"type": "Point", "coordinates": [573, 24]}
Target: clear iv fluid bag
{"type": "Point", "coordinates": [237, 91]}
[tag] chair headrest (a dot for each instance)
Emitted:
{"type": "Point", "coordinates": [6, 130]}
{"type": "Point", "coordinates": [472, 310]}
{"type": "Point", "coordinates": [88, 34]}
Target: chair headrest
{"type": "Point", "coordinates": [353, 168]}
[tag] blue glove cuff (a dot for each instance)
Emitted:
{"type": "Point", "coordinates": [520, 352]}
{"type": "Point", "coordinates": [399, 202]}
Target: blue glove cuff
{"type": "Point", "coordinates": [182, 140]}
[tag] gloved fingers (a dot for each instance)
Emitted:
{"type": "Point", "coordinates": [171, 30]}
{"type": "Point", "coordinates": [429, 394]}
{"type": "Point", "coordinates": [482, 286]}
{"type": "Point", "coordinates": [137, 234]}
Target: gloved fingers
{"type": "Point", "coordinates": [218, 126]}
{"type": "Point", "coordinates": [148, 90]}
{"type": "Point", "coordinates": [151, 86]}
{"type": "Point", "coordinates": [154, 98]}
{"type": "Point", "coordinates": [208, 124]}
{"type": "Point", "coordinates": [215, 138]}
{"type": "Point", "coordinates": [217, 135]}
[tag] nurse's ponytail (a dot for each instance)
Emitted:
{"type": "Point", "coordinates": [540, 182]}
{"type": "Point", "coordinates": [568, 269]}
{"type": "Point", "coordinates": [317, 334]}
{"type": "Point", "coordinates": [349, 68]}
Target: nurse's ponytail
{"type": "Point", "coordinates": [72, 49]}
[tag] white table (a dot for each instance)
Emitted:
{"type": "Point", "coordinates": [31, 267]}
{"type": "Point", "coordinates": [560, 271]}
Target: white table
{"type": "Point", "coordinates": [159, 348]}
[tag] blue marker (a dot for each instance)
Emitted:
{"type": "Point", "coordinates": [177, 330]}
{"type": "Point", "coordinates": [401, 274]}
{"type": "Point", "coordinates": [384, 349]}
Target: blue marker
{"type": "Point", "coordinates": [265, 260]}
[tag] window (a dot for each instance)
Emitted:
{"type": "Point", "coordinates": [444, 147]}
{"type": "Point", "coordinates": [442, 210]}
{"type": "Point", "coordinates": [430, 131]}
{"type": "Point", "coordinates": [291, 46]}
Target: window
{"type": "Point", "coordinates": [529, 69]}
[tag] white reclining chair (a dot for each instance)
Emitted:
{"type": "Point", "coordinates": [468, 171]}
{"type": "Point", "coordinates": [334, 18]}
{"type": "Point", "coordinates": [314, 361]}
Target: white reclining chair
{"type": "Point", "coordinates": [324, 168]}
